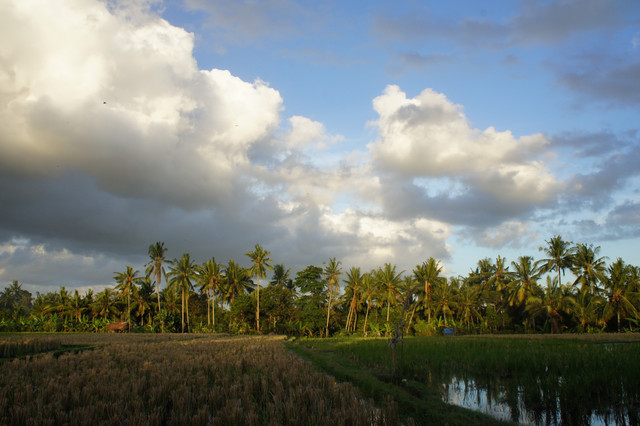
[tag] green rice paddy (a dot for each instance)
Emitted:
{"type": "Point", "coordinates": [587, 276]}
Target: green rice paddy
{"type": "Point", "coordinates": [550, 380]}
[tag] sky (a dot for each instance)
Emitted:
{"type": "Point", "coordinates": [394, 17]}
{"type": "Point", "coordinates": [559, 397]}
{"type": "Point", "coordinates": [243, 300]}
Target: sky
{"type": "Point", "coordinates": [369, 131]}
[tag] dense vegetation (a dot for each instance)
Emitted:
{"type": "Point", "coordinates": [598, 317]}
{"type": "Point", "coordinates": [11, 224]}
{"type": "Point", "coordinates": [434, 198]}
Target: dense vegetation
{"type": "Point", "coordinates": [525, 295]}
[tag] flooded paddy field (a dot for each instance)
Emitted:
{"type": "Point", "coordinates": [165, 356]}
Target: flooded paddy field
{"type": "Point", "coordinates": [568, 379]}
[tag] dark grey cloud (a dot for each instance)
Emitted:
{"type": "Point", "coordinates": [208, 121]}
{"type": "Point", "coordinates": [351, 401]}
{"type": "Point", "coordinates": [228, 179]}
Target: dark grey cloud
{"type": "Point", "coordinates": [610, 80]}
{"type": "Point", "coordinates": [469, 205]}
{"type": "Point", "coordinates": [550, 22]}
{"type": "Point", "coordinates": [532, 23]}
{"type": "Point", "coordinates": [612, 173]}
{"type": "Point", "coordinates": [621, 222]}
{"type": "Point", "coordinates": [72, 212]}
{"type": "Point", "coordinates": [591, 144]}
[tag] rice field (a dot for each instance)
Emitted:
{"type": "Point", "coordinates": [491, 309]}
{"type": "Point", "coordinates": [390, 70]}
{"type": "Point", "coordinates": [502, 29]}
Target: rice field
{"type": "Point", "coordinates": [574, 379]}
{"type": "Point", "coordinates": [168, 379]}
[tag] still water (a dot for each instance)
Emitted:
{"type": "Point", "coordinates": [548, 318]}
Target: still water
{"type": "Point", "coordinates": [524, 406]}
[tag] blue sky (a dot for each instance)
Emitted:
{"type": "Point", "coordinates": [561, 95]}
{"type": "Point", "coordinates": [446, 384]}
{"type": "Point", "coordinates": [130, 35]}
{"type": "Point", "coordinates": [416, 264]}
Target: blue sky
{"type": "Point", "coordinates": [369, 131]}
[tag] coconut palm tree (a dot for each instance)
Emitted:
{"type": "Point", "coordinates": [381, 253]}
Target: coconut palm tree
{"type": "Point", "coordinates": [559, 256]}
{"type": "Point", "coordinates": [468, 302]}
{"type": "Point", "coordinates": [126, 282]}
{"type": "Point", "coordinates": [261, 262]}
{"type": "Point", "coordinates": [556, 302]}
{"type": "Point", "coordinates": [588, 267]}
{"type": "Point", "coordinates": [524, 283]}
{"type": "Point", "coordinates": [353, 289]}
{"type": "Point", "coordinates": [369, 291]}
{"type": "Point", "coordinates": [157, 253]}
{"type": "Point", "coordinates": [588, 310]}
{"type": "Point", "coordinates": [105, 305]}
{"type": "Point", "coordinates": [499, 276]}
{"type": "Point", "coordinates": [444, 297]}
{"type": "Point", "coordinates": [429, 274]}
{"type": "Point", "coordinates": [77, 306]}
{"type": "Point", "coordinates": [182, 273]}
{"type": "Point", "coordinates": [58, 302]}
{"type": "Point", "coordinates": [619, 292]}
{"type": "Point", "coordinates": [282, 277]}
{"type": "Point", "coordinates": [332, 273]}
{"type": "Point", "coordinates": [210, 279]}
{"type": "Point", "coordinates": [236, 280]}
{"type": "Point", "coordinates": [140, 303]}
{"type": "Point", "coordinates": [389, 280]}
{"type": "Point", "coordinates": [496, 284]}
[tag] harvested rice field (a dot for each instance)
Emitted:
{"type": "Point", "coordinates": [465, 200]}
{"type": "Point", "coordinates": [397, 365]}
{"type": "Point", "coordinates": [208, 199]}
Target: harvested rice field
{"type": "Point", "coordinates": [172, 379]}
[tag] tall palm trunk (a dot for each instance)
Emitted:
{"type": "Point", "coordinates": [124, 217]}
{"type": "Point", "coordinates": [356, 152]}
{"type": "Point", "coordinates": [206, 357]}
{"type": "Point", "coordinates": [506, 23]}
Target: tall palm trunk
{"type": "Point", "coordinates": [428, 296]}
{"type": "Point", "coordinates": [329, 311]}
{"type": "Point", "coordinates": [411, 318]}
{"type": "Point", "coordinates": [258, 307]}
{"type": "Point", "coordinates": [208, 309]}
{"type": "Point", "coordinates": [213, 309]}
{"type": "Point", "coordinates": [187, 309]}
{"type": "Point", "coordinates": [182, 310]}
{"type": "Point", "coordinates": [366, 317]}
{"type": "Point", "coordinates": [158, 278]}
{"type": "Point", "coordinates": [351, 324]}
{"type": "Point", "coordinates": [388, 312]}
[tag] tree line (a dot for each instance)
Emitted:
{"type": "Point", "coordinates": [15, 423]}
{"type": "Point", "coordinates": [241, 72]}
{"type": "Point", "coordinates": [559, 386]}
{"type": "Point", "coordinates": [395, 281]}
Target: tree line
{"type": "Point", "coordinates": [497, 296]}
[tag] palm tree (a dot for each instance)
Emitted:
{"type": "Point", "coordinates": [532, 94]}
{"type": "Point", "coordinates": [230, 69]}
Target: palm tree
{"type": "Point", "coordinates": [77, 306]}
{"type": "Point", "coordinates": [210, 279]}
{"type": "Point", "coordinates": [444, 296]}
{"type": "Point", "coordinates": [126, 283]}
{"type": "Point", "coordinates": [525, 280]}
{"type": "Point", "coordinates": [140, 304]}
{"type": "Point", "coordinates": [332, 272]}
{"type": "Point", "coordinates": [181, 274]}
{"type": "Point", "coordinates": [588, 268]}
{"type": "Point", "coordinates": [104, 304]}
{"type": "Point", "coordinates": [620, 292]}
{"type": "Point", "coordinates": [588, 309]}
{"type": "Point", "coordinates": [559, 256]}
{"type": "Point", "coordinates": [369, 290]}
{"type": "Point", "coordinates": [157, 253]}
{"type": "Point", "coordinates": [282, 277]}
{"type": "Point", "coordinates": [497, 282]}
{"type": "Point", "coordinates": [468, 302]}
{"type": "Point", "coordinates": [556, 301]}
{"type": "Point", "coordinates": [499, 275]}
{"type": "Point", "coordinates": [388, 280]}
{"type": "Point", "coordinates": [261, 262]}
{"type": "Point", "coordinates": [236, 280]}
{"type": "Point", "coordinates": [59, 302]}
{"type": "Point", "coordinates": [354, 285]}
{"type": "Point", "coordinates": [429, 274]}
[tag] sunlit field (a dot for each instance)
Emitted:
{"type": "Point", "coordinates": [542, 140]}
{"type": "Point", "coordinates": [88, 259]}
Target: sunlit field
{"type": "Point", "coordinates": [171, 379]}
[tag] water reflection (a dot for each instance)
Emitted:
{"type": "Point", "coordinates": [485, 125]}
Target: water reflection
{"type": "Point", "coordinates": [529, 405]}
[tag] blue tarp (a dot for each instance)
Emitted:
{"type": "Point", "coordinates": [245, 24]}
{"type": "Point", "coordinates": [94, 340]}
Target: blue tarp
{"type": "Point", "coordinates": [448, 332]}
